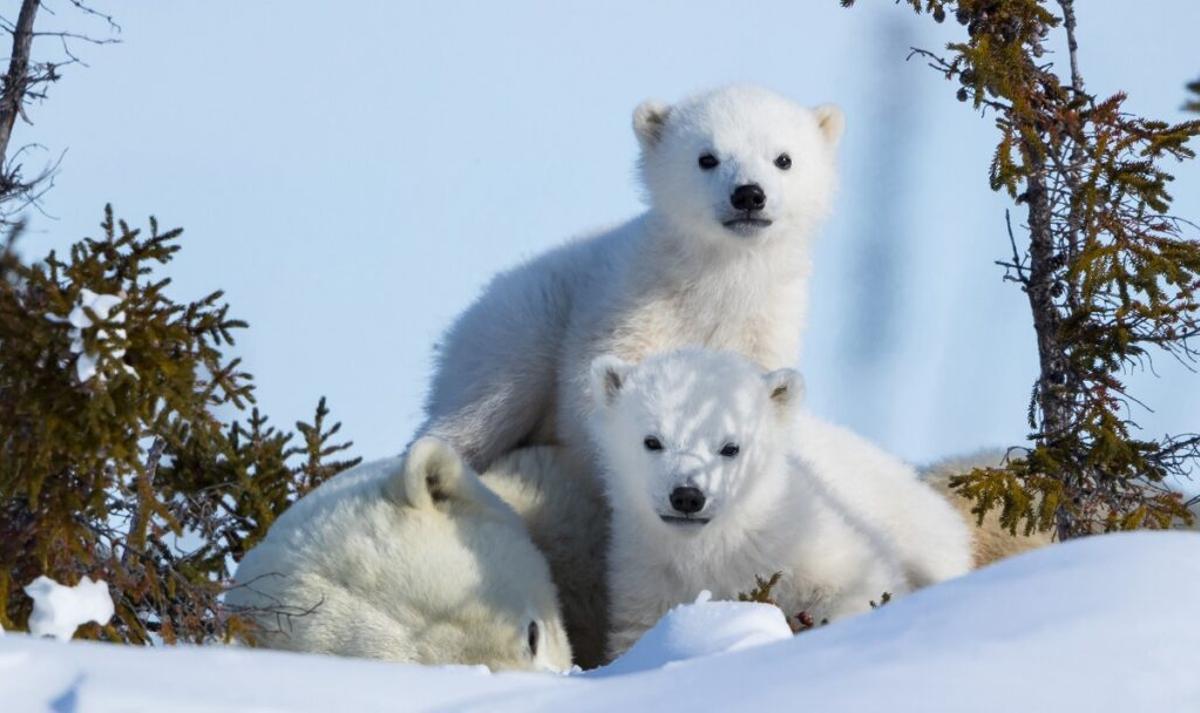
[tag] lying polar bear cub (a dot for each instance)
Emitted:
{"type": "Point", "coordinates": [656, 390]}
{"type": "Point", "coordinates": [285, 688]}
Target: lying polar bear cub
{"type": "Point", "coordinates": [408, 559]}
{"type": "Point", "coordinates": [715, 477]}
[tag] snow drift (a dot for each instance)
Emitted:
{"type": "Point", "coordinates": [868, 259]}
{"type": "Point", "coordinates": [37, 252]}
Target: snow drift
{"type": "Point", "coordinates": [1104, 624]}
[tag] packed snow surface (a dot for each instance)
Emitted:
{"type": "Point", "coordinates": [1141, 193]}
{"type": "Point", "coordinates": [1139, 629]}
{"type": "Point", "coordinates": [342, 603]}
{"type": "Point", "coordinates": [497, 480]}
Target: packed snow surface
{"type": "Point", "coordinates": [58, 610]}
{"type": "Point", "coordinates": [1104, 624]}
{"type": "Point", "coordinates": [706, 627]}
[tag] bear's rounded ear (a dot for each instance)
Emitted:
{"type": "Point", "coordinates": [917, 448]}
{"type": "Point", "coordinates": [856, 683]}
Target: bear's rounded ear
{"type": "Point", "coordinates": [785, 387]}
{"type": "Point", "coordinates": [608, 378]}
{"type": "Point", "coordinates": [831, 121]}
{"type": "Point", "coordinates": [649, 122]}
{"type": "Point", "coordinates": [433, 472]}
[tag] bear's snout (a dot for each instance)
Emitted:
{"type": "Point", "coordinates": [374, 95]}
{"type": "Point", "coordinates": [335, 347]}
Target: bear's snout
{"type": "Point", "coordinates": [748, 197]}
{"type": "Point", "coordinates": [687, 499]}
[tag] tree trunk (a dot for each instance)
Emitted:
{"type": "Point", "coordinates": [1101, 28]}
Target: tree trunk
{"type": "Point", "coordinates": [1052, 390]}
{"type": "Point", "coordinates": [17, 77]}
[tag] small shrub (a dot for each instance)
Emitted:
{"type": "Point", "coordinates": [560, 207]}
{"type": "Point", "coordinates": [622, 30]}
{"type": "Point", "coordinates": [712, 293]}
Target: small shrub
{"type": "Point", "coordinates": [114, 461]}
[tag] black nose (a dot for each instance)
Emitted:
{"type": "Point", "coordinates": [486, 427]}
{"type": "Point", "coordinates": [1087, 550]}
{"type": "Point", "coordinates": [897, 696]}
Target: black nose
{"type": "Point", "coordinates": [748, 197]}
{"type": "Point", "coordinates": [687, 500]}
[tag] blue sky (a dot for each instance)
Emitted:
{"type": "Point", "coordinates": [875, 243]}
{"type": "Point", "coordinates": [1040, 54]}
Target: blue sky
{"type": "Point", "coordinates": [351, 175]}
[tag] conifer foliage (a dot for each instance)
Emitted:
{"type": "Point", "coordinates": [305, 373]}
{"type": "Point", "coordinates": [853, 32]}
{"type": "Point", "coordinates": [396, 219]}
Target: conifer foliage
{"type": "Point", "coordinates": [1112, 277]}
{"type": "Point", "coordinates": [114, 463]}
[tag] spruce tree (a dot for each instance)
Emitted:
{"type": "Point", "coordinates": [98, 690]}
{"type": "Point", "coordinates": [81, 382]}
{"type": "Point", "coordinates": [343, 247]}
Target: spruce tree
{"type": "Point", "coordinates": [114, 462]}
{"type": "Point", "coordinates": [1111, 275]}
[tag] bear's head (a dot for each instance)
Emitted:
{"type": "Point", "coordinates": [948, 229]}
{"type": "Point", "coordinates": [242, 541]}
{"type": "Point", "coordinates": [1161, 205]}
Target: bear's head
{"type": "Point", "coordinates": [738, 165]}
{"type": "Point", "coordinates": [407, 559]}
{"type": "Point", "coordinates": [683, 434]}
{"type": "Point", "coordinates": [480, 589]}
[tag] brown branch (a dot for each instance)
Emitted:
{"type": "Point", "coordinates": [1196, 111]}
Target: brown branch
{"type": "Point", "coordinates": [144, 492]}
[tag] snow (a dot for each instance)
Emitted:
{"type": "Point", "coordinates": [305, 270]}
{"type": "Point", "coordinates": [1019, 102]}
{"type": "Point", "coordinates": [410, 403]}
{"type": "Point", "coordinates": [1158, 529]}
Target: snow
{"type": "Point", "coordinates": [704, 628]}
{"type": "Point", "coordinates": [58, 610]}
{"type": "Point", "coordinates": [1105, 624]}
{"type": "Point", "coordinates": [102, 305]}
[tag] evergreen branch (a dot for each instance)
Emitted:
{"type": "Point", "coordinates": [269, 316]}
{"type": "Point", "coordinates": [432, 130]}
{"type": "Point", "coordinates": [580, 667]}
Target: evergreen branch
{"type": "Point", "coordinates": [101, 478]}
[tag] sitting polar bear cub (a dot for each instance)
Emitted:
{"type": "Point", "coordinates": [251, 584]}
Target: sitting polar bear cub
{"type": "Point", "coordinates": [408, 559]}
{"type": "Point", "coordinates": [715, 478]}
{"type": "Point", "coordinates": [737, 180]}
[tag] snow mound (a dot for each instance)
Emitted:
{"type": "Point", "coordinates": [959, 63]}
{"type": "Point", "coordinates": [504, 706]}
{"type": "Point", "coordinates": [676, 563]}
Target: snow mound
{"type": "Point", "coordinates": [1098, 625]}
{"type": "Point", "coordinates": [59, 610]}
{"type": "Point", "coordinates": [691, 631]}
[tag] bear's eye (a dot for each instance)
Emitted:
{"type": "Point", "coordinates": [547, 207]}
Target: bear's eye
{"type": "Point", "coordinates": [709, 162]}
{"type": "Point", "coordinates": [652, 444]}
{"type": "Point", "coordinates": [783, 161]}
{"type": "Point", "coordinates": [532, 638]}
{"type": "Point", "coordinates": [730, 450]}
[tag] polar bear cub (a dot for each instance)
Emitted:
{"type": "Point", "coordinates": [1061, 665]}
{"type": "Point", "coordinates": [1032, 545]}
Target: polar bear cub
{"type": "Point", "coordinates": [990, 541]}
{"type": "Point", "coordinates": [715, 477]}
{"type": "Point", "coordinates": [408, 559]}
{"type": "Point", "coordinates": [737, 179]}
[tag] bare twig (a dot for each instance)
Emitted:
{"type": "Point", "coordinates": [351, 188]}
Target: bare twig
{"type": "Point", "coordinates": [27, 81]}
{"type": "Point", "coordinates": [88, 10]}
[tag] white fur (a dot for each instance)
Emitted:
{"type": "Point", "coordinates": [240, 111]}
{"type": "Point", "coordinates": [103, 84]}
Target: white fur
{"type": "Point", "coordinates": [568, 520]}
{"type": "Point", "coordinates": [406, 559]}
{"type": "Point", "coordinates": [513, 369]}
{"type": "Point", "coordinates": [840, 520]}
{"type": "Point", "coordinates": [926, 534]}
